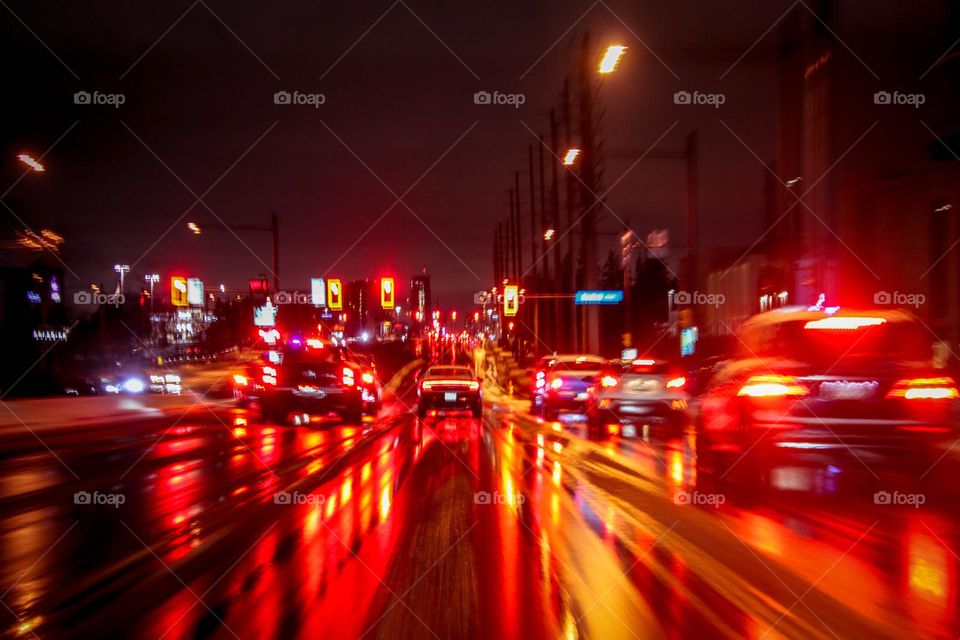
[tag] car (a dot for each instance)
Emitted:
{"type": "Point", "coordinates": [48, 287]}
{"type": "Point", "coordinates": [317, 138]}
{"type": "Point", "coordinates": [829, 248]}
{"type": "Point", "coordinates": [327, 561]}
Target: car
{"type": "Point", "coordinates": [646, 391]}
{"type": "Point", "coordinates": [566, 382]}
{"type": "Point", "coordinates": [814, 385]}
{"type": "Point", "coordinates": [313, 378]}
{"type": "Point", "coordinates": [449, 388]}
{"type": "Point", "coordinates": [538, 383]}
{"type": "Point", "coordinates": [369, 382]}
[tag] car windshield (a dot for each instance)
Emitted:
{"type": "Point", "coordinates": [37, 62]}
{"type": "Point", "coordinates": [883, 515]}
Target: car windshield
{"type": "Point", "coordinates": [312, 356]}
{"type": "Point", "coordinates": [458, 373]}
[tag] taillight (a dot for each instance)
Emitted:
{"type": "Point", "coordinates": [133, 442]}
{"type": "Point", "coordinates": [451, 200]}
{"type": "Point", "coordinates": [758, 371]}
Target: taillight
{"type": "Point", "coordinates": [367, 378]}
{"type": "Point", "coordinates": [773, 387]}
{"type": "Point", "coordinates": [474, 385]}
{"type": "Point", "coordinates": [925, 389]}
{"type": "Point", "coordinates": [239, 380]}
{"type": "Point", "coordinates": [348, 377]}
{"type": "Point", "coordinates": [609, 382]}
{"type": "Point", "coordinates": [677, 383]}
{"type": "Point", "coordinates": [844, 323]}
{"type": "Point", "coordinates": [269, 376]}
{"type": "Point", "coordinates": [426, 385]}
{"type": "Point", "coordinates": [556, 383]}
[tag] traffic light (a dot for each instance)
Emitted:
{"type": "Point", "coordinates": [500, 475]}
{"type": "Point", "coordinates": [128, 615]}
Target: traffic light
{"type": "Point", "coordinates": [511, 299]}
{"type": "Point", "coordinates": [334, 294]}
{"type": "Point", "coordinates": [178, 291]}
{"type": "Point", "coordinates": [386, 293]}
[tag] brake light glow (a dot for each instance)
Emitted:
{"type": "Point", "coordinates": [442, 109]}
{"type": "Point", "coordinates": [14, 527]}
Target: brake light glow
{"type": "Point", "coordinates": [925, 389]}
{"type": "Point", "coordinates": [772, 386]}
{"type": "Point", "coordinates": [844, 323]}
{"type": "Point", "coordinates": [608, 382]}
{"type": "Point", "coordinates": [315, 343]}
{"type": "Point", "coordinates": [239, 380]}
{"type": "Point", "coordinates": [676, 383]}
{"type": "Point", "coordinates": [556, 383]}
{"type": "Point", "coordinates": [367, 378]}
{"type": "Point", "coordinates": [348, 377]}
{"type": "Point", "coordinates": [644, 362]}
{"type": "Point", "coordinates": [470, 384]}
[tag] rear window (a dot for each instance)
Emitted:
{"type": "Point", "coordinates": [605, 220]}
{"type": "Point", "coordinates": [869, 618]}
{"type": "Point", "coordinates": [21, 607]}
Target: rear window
{"type": "Point", "coordinates": [826, 348]}
{"type": "Point", "coordinates": [450, 372]}
{"type": "Point", "coordinates": [313, 356]}
{"type": "Point", "coordinates": [578, 365]}
{"type": "Point", "coordinates": [657, 368]}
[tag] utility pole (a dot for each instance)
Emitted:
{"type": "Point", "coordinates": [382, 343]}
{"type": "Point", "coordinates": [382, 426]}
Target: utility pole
{"type": "Point", "coordinates": [534, 264]}
{"type": "Point", "coordinates": [588, 189]}
{"type": "Point", "coordinates": [691, 213]}
{"type": "Point", "coordinates": [511, 245]}
{"type": "Point", "coordinates": [556, 243]}
{"type": "Point", "coordinates": [570, 201]}
{"type": "Point", "coordinates": [496, 254]}
{"type": "Point", "coordinates": [519, 238]}
{"type": "Point", "coordinates": [275, 230]}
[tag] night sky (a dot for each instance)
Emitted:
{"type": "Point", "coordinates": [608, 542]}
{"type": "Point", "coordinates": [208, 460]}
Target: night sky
{"type": "Point", "coordinates": [199, 80]}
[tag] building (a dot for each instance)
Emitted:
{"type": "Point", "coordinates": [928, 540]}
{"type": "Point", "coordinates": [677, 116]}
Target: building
{"type": "Point", "coordinates": [421, 309]}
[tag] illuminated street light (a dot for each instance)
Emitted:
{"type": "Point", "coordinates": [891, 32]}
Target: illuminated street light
{"type": "Point", "coordinates": [611, 58]}
{"type": "Point", "coordinates": [571, 156]}
{"type": "Point", "coordinates": [29, 160]}
{"type": "Point", "coordinates": [152, 279]}
{"type": "Point", "coordinates": [122, 269]}
{"type": "Point", "coordinates": [194, 227]}
{"type": "Point", "coordinates": [548, 234]}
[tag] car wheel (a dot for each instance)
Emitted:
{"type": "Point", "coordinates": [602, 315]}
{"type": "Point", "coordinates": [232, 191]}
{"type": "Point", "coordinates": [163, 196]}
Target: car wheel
{"type": "Point", "coordinates": [477, 410]}
{"type": "Point", "coordinates": [352, 416]}
{"type": "Point", "coordinates": [422, 410]}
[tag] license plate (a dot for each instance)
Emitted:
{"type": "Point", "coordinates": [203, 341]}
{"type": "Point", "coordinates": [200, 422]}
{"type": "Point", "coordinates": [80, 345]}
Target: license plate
{"type": "Point", "coordinates": [581, 396]}
{"type": "Point", "coordinates": [450, 396]}
{"type": "Point", "coordinates": [844, 390]}
{"type": "Point", "coordinates": [629, 431]}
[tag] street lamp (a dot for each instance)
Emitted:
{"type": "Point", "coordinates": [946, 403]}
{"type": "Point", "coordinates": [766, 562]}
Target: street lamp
{"type": "Point", "coordinates": [273, 229]}
{"type": "Point", "coordinates": [152, 279]}
{"type": "Point", "coordinates": [548, 234]}
{"type": "Point", "coordinates": [122, 269]}
{"type": "Point", "coordinates": [571, 156]}
{"type": "Point", "coordinates": [31, 162]}
{"type": "Point", "coordinates": [611, 58]}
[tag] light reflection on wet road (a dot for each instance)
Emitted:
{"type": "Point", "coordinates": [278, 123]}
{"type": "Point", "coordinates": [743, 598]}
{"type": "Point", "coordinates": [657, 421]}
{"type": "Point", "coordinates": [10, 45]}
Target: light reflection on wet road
{"type": "Point", "coordinates": [453, 528]}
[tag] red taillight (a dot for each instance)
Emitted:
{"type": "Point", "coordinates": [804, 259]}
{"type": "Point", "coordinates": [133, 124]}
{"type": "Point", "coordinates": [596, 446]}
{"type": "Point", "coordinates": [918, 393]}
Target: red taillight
{"type": "Point", "coordinates": [925, 389]}
{"type": "Point", "coordinates": [367, 378]}
{"type": "Point", "coordinates": [474, 385]}
{"type": "Point", "coordinates": [426, 385]}
{"type": "Point", "coordinates": [609, 382]}
{"type": "Point", "coordinates": [556, 383]}
{"type": "Point", "coordinates": [239, 380]}
{"type": "Point", "coordinates": [772, 387]}
{"type": "Point", "coordinates": [349, 377]}
{"type": "Point", "coordinates": [269, 376]}
{"type": "Point", "coordinates": [676, 383]}
{"type": "Point", "coordinates": [844, 323]}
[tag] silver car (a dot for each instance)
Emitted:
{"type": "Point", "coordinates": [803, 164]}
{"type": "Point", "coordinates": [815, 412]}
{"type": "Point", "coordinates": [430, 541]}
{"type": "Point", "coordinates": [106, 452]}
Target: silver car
{"type": "Point", "coordinates": [647, 392]}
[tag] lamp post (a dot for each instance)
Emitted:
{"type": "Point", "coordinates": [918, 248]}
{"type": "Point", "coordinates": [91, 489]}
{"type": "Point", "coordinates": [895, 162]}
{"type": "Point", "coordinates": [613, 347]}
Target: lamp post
{"type": "Point", "coordinates": [122, 269]}
{"type": "Point", "coordinates": [274, 229]}
{"type": "Point", "coordinates": [152, 279]}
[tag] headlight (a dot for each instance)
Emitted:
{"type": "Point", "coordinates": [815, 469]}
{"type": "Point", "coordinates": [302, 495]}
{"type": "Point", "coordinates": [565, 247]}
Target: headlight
{"type": "Point", "coordinates": [133, 385]}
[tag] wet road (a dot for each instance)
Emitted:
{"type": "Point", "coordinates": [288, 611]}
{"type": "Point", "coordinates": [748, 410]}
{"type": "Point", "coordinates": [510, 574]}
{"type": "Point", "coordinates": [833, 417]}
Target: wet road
{"type": "Point", "coordinates": [213, 525]}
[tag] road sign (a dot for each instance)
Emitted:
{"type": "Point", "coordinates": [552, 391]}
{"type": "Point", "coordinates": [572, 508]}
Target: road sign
{"type": "Point", "coordinates": [386, 293]}
{"type": "Point", "coordinates": [195, 291]}
{"type": "Point", "coordinates": [178, 291]}
{"type": "Point", "coordinates": [334, 294]}
{"type": "Point", "coordinates": [511, 299]}
{"type": "Point", "coordinates": [318, 292]}
{"type": "Point", "coordinates": [598, 297]}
